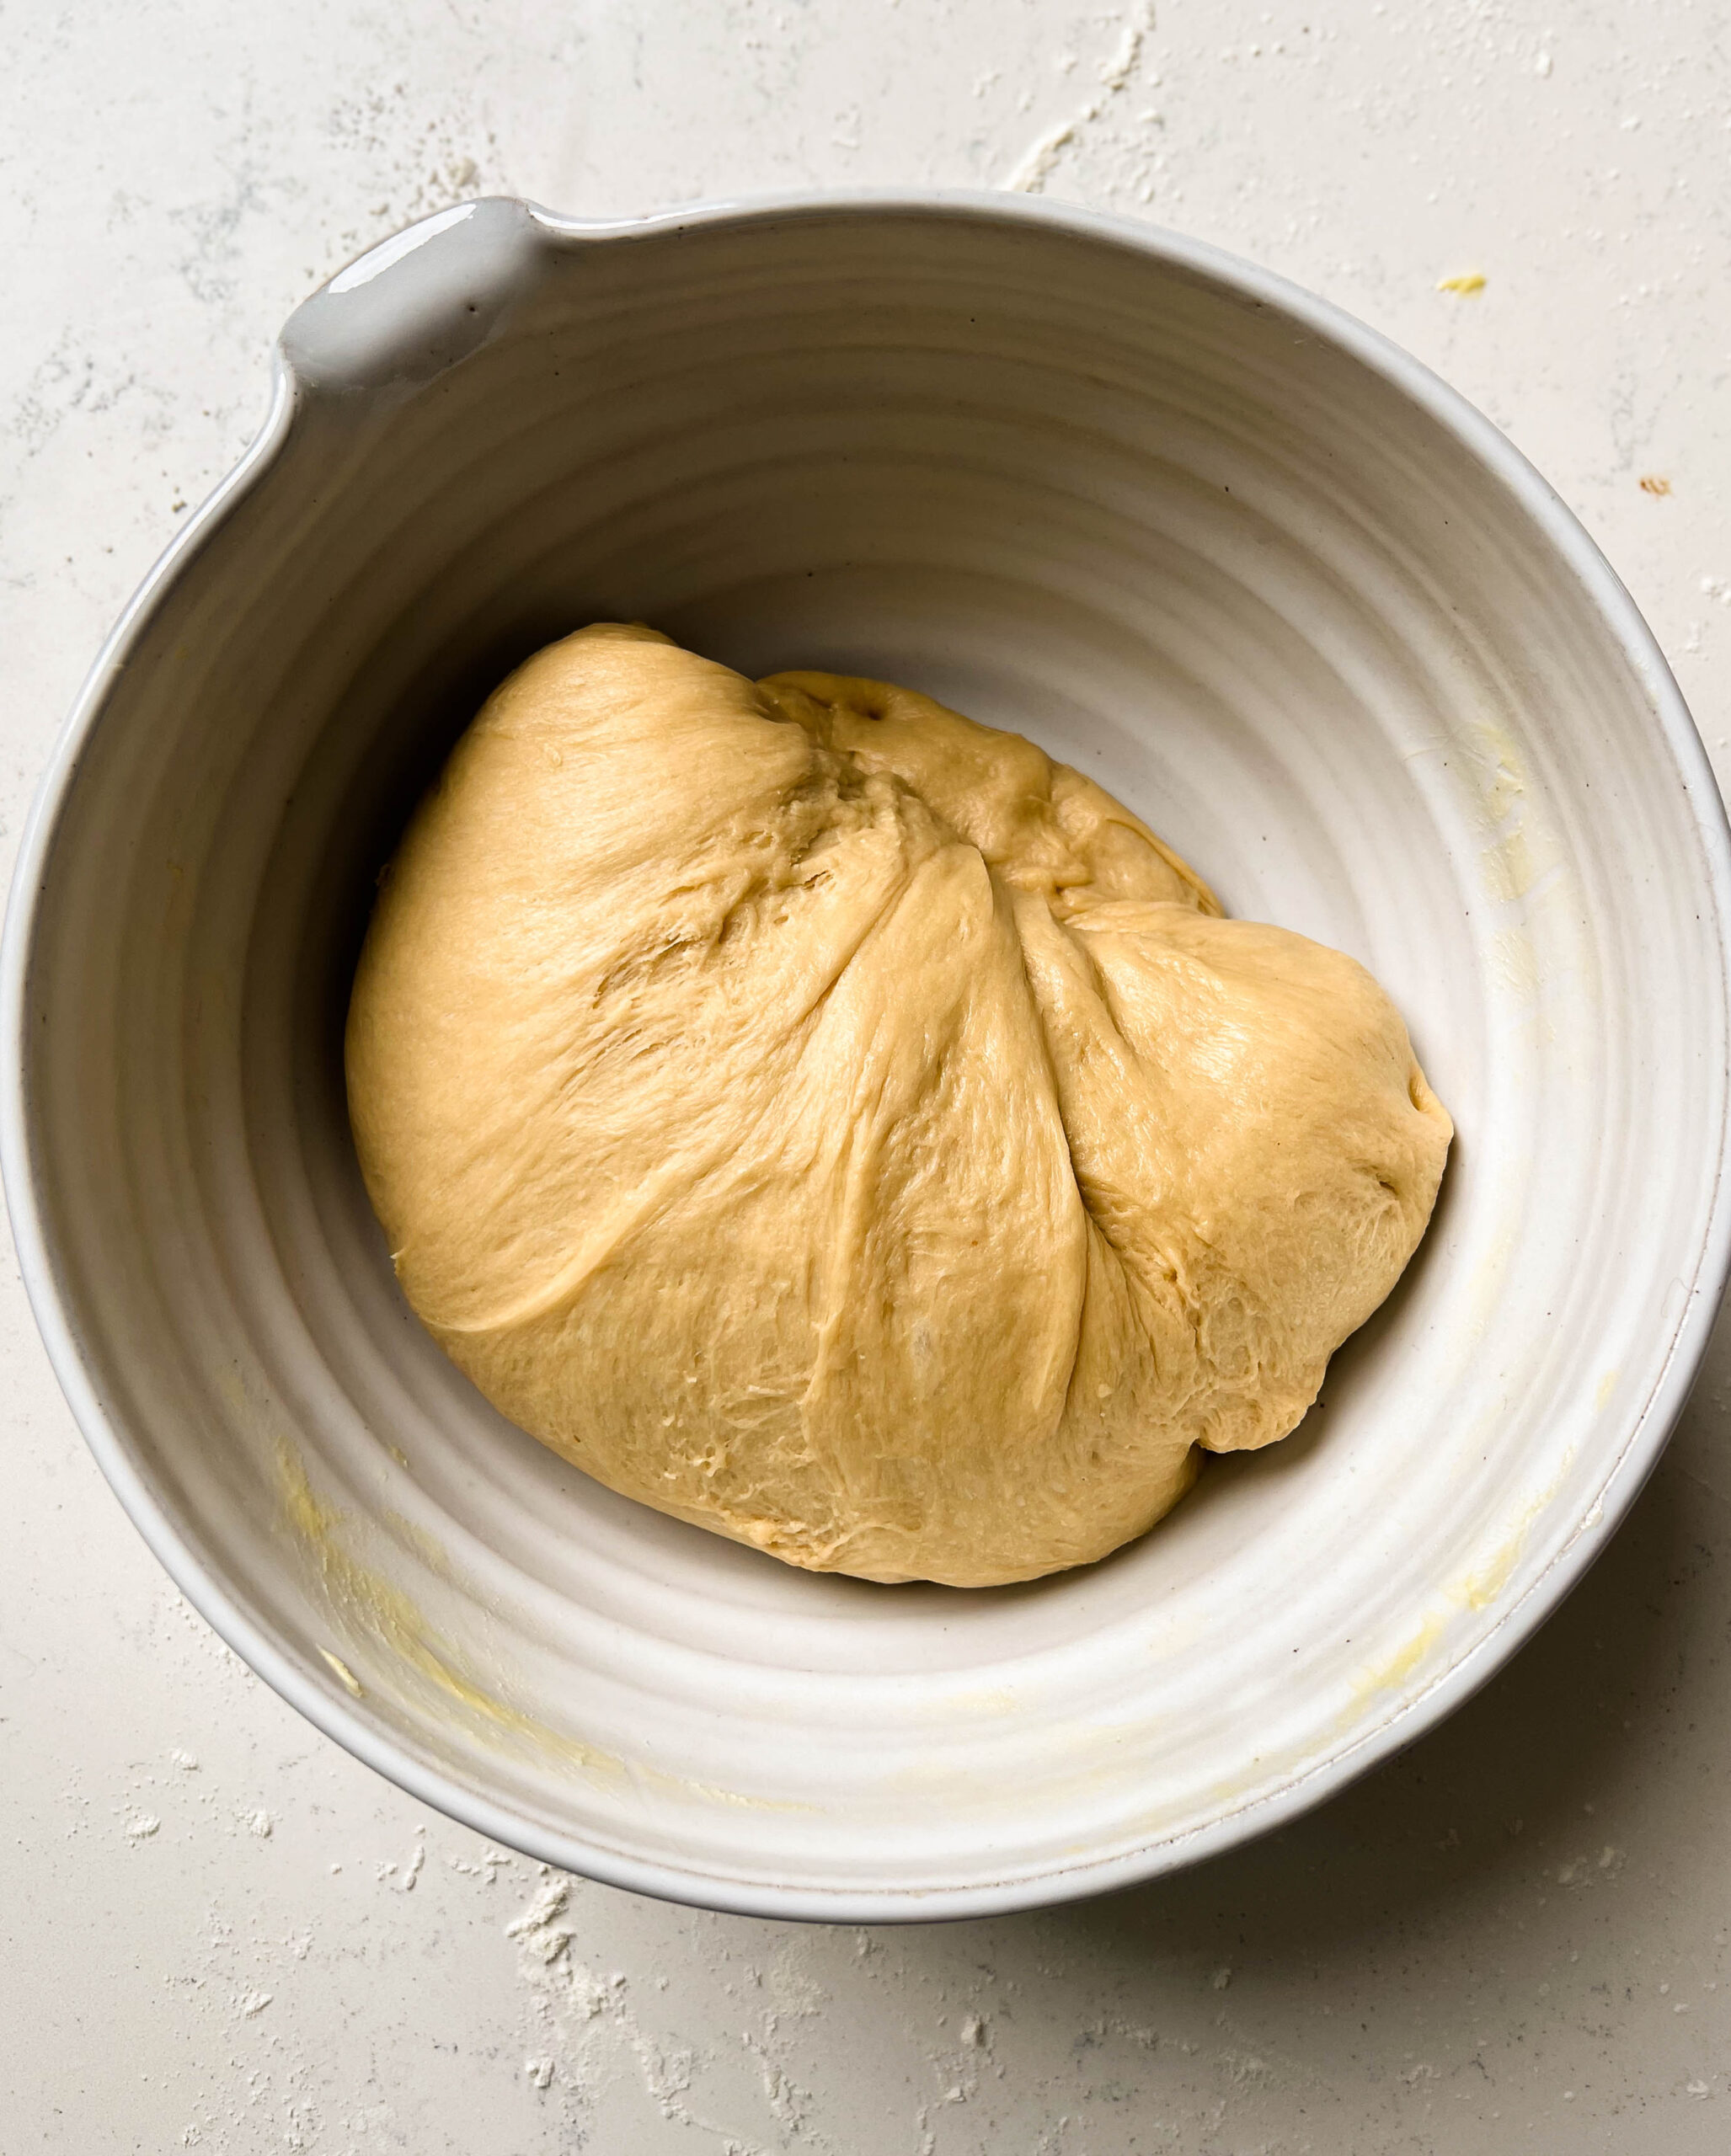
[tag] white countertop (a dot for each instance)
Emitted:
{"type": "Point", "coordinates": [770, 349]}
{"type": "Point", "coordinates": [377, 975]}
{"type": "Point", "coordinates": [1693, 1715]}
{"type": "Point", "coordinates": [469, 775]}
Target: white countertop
{"type": "Point", "coordinates": [218, 1931]}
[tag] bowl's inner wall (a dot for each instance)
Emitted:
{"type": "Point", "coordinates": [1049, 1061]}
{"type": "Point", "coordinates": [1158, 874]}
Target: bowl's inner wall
{"type": "Point", "coordinates": [1185, 543]}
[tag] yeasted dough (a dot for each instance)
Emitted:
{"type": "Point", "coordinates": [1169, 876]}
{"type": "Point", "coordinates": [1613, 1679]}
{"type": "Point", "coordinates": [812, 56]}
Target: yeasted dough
{"type": "Point", "coordinates": [833, 1123]}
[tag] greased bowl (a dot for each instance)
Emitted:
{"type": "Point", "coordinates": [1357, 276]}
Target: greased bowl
{"type": "Point", "coordinates": [1193, 531]}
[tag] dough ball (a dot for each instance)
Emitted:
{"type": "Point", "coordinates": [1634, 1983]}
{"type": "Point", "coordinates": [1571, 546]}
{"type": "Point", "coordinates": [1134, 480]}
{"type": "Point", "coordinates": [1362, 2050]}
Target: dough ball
{"type": "Point", "coordinates": [832, 1121]}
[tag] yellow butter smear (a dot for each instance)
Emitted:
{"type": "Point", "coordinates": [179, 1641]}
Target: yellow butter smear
{"type": "Point", "coordinates": [1477, 1590]}
{"type": "Point", "coordinates": [382, 1613]}
{"type": "Point", "coordinates": [375, 1609]}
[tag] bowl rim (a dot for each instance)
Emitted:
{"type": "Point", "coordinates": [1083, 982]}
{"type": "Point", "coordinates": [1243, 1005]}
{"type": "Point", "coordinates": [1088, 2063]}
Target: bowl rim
{"type": "Point", "coordinates": [331, 1711]}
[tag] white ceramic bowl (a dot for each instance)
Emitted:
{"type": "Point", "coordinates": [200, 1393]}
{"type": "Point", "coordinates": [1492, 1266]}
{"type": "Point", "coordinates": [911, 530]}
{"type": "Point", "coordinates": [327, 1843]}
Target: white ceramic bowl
{"type": "Point", "coordinates": [1191, 530]}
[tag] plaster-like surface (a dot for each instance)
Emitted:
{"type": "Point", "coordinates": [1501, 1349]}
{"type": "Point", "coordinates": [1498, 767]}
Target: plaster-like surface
{"type": "Point", "coordinates": [216, 1930]}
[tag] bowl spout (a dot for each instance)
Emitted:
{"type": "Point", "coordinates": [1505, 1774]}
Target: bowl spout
{"type": "Point", "coordinates": [401, 313]}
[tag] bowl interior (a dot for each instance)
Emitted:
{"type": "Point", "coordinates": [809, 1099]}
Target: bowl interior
{"type": "Point", "coordinates": [1186, 538]}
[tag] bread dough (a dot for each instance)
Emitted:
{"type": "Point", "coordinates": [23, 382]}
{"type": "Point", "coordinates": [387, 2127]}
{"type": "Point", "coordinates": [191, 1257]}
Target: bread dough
{"type": "Point", "coordinates": [836, 1124]}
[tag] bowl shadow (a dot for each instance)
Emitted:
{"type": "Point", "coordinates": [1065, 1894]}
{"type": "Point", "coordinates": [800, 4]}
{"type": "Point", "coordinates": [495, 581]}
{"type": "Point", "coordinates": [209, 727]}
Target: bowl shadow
{"type": "Point", "coordinates": [1510, 1779]}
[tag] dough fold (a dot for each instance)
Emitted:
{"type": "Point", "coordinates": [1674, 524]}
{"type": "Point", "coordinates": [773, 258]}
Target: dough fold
{"type": "Point", "coordinates": [834, 1123]}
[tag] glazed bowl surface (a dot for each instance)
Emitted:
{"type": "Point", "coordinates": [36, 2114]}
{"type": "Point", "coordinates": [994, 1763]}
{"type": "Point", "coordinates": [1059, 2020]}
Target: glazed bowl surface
{"type": "Point", "coordinates": [1193, 531]}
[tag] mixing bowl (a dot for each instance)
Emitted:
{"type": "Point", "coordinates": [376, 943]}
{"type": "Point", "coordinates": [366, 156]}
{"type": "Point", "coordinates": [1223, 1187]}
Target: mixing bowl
{"type": "Point", "coordinates": [1193, 531]}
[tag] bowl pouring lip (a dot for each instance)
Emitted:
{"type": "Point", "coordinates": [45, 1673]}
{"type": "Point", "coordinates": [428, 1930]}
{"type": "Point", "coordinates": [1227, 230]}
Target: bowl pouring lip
{"type": "Point", "coordinates": [317, 1697]}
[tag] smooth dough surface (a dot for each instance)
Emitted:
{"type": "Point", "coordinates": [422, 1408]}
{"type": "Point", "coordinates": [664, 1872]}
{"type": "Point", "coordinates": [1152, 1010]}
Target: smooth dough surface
{"type": "Point", "coordinates": [836, 1124]}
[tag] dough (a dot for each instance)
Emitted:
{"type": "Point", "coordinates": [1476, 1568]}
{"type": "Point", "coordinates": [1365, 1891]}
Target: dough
{"type": "Point", "coordinates": [836, 1124]}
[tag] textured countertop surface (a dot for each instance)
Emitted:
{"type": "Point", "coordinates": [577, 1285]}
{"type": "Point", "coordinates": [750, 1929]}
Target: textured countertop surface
{"type": "Point", "coordinates": [219, 1932]}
